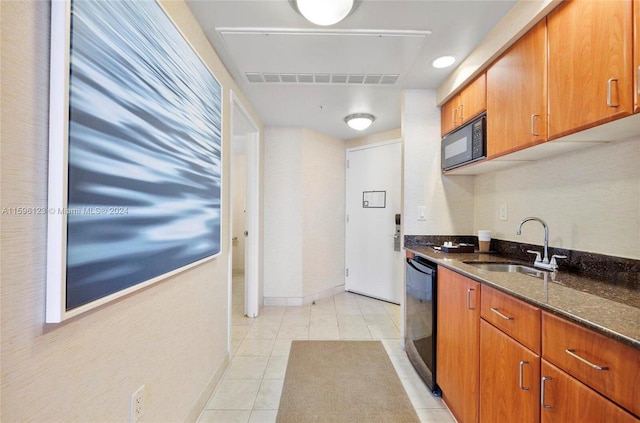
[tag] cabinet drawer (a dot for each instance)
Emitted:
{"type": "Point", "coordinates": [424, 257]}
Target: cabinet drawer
{"type": "Point", "coordinates": [572, 348]}
{"type": "Point", "coordinates": [516, 318]}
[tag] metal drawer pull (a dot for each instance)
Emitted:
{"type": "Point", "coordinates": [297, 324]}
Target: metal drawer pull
{"type": "Point", "coordinates": [522, 363]}
{"type": "Point", "coordinates": [573, 354]}
{"type": "Point", "coordinates": [544, 380]}
{"type": "Point", "coordinates": [469, 299]}
{"type": "Point", "coordinates": [495, 310]}
{"type": "Point", "coordinates": [609, 92]}
{"type": "Point", "coordinates": [533, 126]}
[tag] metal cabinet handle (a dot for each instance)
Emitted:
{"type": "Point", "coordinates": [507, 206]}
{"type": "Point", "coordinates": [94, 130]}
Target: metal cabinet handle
{"type": "Point", "coordinates": [609, 92]}
{"type": "Point", "coordinates": [453, 116]}
{"type": "Point", "coordinates": [469, 299]}
{"type": "Point", "coordinates": [573, 354]}
{"type": "Point", "coordinates": [533, 125]}
{"type": "Point", "coordinates": [639, 80]}
{"type": "Point", "coordinates": [522, 363]}
{"type": "Point", "coordinates": [544, 380]}
{"type": "Point", "coordinates": [461, 116]}
{"type": "Point", "coordinates": [505, 317]}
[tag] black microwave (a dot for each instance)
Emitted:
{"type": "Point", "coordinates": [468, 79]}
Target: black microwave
{"type": "Point", "coordinates": [466, 144]}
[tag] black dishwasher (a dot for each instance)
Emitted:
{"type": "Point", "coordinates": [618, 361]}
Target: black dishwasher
{"type": "Point", "coordinates": [420, 319]}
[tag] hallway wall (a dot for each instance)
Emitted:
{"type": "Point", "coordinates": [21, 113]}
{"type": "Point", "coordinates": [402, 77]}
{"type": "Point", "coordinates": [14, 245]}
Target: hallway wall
{"type": "Point", "coordinates": [303, 215]}
{"type": "Point", "coordinates": [172, 336]}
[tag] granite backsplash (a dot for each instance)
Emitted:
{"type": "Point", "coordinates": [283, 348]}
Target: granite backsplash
{"type": "Point", "coordinates": [620, 271]}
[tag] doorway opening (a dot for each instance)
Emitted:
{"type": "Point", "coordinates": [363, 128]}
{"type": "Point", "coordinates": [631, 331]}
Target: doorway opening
{"type": "Point", "coordinates": [244, 260]}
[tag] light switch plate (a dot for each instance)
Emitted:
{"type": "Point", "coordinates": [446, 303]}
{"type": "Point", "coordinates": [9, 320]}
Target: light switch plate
{"type": "Point", "coordinates": [504, 212]}
{"type": "Point", "coordinates": [422, 211]}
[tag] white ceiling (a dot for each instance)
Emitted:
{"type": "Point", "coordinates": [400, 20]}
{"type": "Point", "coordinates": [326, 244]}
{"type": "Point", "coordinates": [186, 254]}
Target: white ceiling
{"type": "Point", "coordinates": [380, 40]}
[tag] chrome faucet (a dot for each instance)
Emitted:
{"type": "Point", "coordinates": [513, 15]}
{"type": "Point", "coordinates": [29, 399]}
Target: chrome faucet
{"type": "Point", "coordinates": [543, 263]}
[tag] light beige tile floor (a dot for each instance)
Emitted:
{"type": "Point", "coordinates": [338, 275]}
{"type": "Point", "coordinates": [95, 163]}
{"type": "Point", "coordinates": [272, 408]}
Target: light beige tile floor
{"type": "Point", "coordinates": [249, 391]}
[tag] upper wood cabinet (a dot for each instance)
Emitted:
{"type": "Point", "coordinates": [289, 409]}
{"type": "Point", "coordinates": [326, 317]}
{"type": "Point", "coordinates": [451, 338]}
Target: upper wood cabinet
{"type": "Point", "coordinates": [590, 64]}
{"type": "Point", "coordinates": [458, 343]}
{"type": "Point", "coordinates": [464, 106]}
{"type": "Point", "coordinates": [517, 95]}
{"type": "Point", "coordinates": [636, 53]}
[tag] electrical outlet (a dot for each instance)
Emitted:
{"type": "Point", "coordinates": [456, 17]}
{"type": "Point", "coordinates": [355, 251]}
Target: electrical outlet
{"type": "Point", "coordinates": [504, 212]}
{"type": "Point", "coordinates": [137, 405]}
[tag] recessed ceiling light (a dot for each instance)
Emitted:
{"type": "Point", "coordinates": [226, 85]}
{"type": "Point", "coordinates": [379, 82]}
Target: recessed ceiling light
{"type": "Point", "coordinates": [443, 62]}
{"type": "Point", "coordinates": [324, 12]}
{"type": "Point", "coordinates": [359, 121]}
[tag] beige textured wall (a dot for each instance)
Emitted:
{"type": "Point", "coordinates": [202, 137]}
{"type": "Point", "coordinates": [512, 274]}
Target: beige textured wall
{"type": "Point", "coordinates": [323, 159]}
{"type": "Point", "coordinates": [448, 199]}
{"type": "Point", "coordinates": [172, 336]}
{"type": "Point", "coordinates": [282, 213]}
{"type": "Point", "coordinates": [304, 215]}
{"type": "Point", "coordinates": [394, 134]}
{"type": "Point", "coordinates": [590, 199]}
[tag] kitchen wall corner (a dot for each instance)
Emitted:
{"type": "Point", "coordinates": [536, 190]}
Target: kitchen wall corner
{"type": "Point", "coordinates": [448, 200]}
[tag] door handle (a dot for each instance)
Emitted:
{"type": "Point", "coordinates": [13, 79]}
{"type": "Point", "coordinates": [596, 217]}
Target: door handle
{"type": "Point", "coordinates": [469, 299]}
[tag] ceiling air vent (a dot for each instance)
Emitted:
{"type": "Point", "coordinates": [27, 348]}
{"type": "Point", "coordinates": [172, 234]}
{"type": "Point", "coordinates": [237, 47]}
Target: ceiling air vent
{"type": "Point", "coordinates": [271, 77]}
{"type": "Point", "coordinates": [389, 79]}
{"type": "Point", "coordinates": [305, 77]}
{"type": "Point", "coordinates": [289, 78]}
{"type": "Point", "coordinates": [322, 78]}
{"type": "Point", "coordinates": [254, 77]}
{"type": "Point", "coordinates": [372, 79]}
{"type": "Point", "coordinates": [339, 78]}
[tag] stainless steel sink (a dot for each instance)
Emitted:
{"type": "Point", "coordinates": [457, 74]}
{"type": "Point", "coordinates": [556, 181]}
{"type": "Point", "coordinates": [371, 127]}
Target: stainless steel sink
{"type": "Point", "coordinates": [505, 267]}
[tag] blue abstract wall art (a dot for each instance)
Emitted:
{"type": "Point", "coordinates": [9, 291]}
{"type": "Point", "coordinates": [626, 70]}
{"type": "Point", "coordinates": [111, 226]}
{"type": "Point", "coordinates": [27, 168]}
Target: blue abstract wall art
{"type": "Point", "coordinates": [144, 151]}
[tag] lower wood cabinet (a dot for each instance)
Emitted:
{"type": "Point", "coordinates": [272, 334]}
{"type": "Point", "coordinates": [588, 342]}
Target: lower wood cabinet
{"type": "Point", "coordinates": [602, 363]}
{"type": "Point", "coordinates": [458, 343]}
{"type": "Point", "coordinates": [565, 399]}
{"type": "Point", "coordinates": [492, 366]}
{"type": "Point", "coordinates": [509, 379]}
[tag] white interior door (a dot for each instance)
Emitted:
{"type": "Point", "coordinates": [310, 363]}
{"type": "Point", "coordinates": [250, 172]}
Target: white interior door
{"type": "Point", "coordinates": [373, 200]}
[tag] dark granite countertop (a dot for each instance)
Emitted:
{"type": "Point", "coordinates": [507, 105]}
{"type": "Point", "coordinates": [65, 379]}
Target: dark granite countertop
{"type": "Point", "coordinates": [610, 309]}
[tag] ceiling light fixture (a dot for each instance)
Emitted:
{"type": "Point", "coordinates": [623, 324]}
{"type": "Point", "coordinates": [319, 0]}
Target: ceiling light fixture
{"type": "Point", "coordinates": [323, 12]}
{"type": "Point", "coordinates": [443, 62]}
{"type": "Point", "coordinates": [359, 121]}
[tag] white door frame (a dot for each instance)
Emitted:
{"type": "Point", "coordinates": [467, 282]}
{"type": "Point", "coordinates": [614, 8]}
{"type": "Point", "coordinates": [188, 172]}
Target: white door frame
{"type": "Point", "coordinates": [252, 216]}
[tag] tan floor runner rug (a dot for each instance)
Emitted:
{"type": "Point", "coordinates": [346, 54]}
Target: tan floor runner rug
{"type": "Point", "coordinates": [342, 381]}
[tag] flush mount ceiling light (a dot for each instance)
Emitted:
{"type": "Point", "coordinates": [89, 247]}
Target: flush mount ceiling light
{"type": "Point", "coordinates": [359, 121]}
{"type": "Point", "coordinates": [443, 62]}
{"type": "Point", "coordinates": [323, 12]}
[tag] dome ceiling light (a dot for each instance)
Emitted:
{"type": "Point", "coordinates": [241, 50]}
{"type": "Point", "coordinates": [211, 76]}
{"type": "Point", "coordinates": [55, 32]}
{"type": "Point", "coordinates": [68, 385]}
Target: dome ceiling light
{"type": "Point", "coordinates": [359, 121]}
{"type": "Point", "coordinates": [324, 12]}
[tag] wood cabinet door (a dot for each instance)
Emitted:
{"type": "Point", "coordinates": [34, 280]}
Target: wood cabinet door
{"type": "Point", "coordinates": [636, 53]}
{"type": "Point", "coordinates": [517, 95]}
{"type": "Point", "coordinates": [590, 64]}
{"type": "Point", "coordinates": [458, 343]}
{"type": "Point", "coordinates": [449, 116]}
{"type": "Point", "coordinates": [567, 400]}
{"type": "Point", "coordinates": [509, 379]}
{"type": "Point", "coordinates": [473, 99]}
